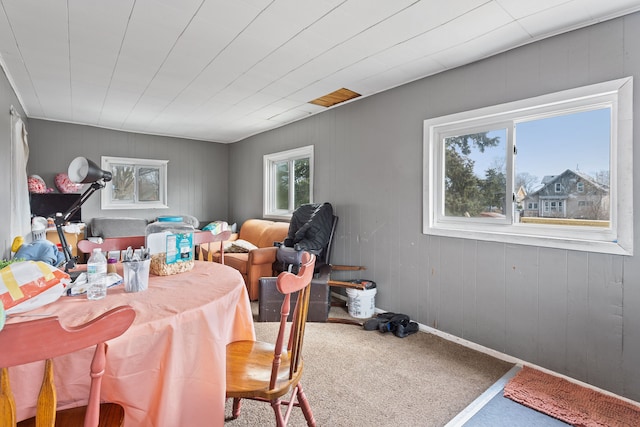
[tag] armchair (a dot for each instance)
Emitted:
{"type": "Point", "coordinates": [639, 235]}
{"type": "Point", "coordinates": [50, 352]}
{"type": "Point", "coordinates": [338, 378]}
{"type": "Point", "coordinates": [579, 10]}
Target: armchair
{"type": "Point", "coordinates": [258, 260]}
{"type": "Point", "coordinates": [312, 229]}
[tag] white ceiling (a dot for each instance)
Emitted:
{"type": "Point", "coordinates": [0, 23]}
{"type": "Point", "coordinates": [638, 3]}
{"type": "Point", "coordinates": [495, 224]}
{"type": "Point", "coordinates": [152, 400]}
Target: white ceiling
{"type": "Point", "coordinates": [222, 70]}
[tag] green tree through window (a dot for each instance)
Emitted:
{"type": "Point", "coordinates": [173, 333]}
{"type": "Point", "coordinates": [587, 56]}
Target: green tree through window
{"type": "Point", "coordinates": [465, 193]}
{"type": "Point", "coordinates": [288, 179]}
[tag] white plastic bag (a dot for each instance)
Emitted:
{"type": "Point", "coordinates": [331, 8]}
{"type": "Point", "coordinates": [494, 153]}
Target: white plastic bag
{"type": "Point", "coordinates": [27, 285]}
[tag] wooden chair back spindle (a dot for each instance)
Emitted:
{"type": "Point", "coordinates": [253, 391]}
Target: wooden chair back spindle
{"type": "Point", "coordinates": [200, 238]}
{"type": "Point", "coordinates": [45, 339]}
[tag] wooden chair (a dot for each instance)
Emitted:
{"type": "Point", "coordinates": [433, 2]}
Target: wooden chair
{"type": "Point", "coordinates": [200, 238]}
{"type": "Point", "coordinates": [112, 244]}
{"type": "Point", "coordinates": [44, 339]}
{"type": "Point", "coordinates": [261, 371]}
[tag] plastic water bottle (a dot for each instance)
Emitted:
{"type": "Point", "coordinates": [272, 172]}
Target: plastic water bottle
{"type": "Point", "coordinates": [97, 275]}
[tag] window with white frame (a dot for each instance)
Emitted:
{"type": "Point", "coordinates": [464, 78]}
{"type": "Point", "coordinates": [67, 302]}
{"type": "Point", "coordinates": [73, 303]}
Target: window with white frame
{"type": "Point", "coordinates": [550, 146]}
{"type": "Point", "coordinates": [135, 183]}
{"type": "Point", "coordinates": [288, 181]}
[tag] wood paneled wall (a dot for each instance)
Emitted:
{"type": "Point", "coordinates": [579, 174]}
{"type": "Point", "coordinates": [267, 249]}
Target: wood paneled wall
{"type": "Point", "coordinates": [576, 313]}
{"type": "Point", "coordinates": [197, 170]}
{"type": "Point", "coordinates": [8, 99]}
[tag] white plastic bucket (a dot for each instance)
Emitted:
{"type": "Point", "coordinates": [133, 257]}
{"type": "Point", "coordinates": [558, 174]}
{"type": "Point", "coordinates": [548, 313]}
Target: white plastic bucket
{"type": "Point", "coordinates": [362, 303]}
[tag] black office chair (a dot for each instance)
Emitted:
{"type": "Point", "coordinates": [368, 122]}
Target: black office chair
{"type": "Point", "coordinates": [309, 230]}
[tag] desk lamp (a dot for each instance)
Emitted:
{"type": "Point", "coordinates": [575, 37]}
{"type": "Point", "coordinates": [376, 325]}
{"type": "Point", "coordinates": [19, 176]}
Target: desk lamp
{"type": "Point", "coordinates": [81, 171]}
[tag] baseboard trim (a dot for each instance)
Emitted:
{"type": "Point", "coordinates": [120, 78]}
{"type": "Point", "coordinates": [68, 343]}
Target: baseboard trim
{"type": "Point", "coordinates": [499, 355]}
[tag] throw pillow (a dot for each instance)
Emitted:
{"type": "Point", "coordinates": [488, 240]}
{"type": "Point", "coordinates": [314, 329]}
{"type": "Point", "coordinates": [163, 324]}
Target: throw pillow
{"type": "Point", "coordinates": [240, 246]}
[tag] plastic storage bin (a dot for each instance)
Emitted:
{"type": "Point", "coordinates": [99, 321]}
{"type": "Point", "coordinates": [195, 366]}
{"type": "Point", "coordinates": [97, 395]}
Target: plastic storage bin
{"type": "Point", "coordinates": [170, 243]}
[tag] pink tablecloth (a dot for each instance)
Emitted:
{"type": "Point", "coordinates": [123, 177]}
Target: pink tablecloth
{"type": "Point", "coordinates": [168, 369]}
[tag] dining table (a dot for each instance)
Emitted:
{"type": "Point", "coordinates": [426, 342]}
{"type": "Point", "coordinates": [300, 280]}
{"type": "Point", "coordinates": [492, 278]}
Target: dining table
{"type": "Point", "coordinates": [169, 367]}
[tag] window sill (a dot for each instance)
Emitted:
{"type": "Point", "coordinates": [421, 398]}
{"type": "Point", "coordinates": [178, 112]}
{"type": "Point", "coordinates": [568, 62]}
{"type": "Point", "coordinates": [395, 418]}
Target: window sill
{"type": "Point", "coordinates": [510, 237]}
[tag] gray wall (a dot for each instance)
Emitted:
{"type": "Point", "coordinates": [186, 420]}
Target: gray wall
{"type": "Point", "coordinates": [7, 99]}
{"type": "Point", "coordinates": [197, 171]}
{"type": "Point", "coordinates": [576, 313]}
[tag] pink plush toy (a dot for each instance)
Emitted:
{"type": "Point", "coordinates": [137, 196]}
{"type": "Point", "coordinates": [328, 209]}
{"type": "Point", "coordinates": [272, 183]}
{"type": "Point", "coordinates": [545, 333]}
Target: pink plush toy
{"type": "Point", "coordinates": [65, 185]}
{"type": "Point", "coordinates": [36, 184]}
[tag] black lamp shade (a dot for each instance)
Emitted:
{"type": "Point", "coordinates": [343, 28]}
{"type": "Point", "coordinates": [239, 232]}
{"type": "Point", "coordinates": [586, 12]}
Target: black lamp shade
{"type": "Point", "coordinates": [84, 171]}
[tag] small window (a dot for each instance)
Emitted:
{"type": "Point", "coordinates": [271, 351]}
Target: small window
{"type": "Point", "coordinates": [475, 160]}
{"type": "Point", "coordinates": [136, 183]}
{"type": "Point", "coordinates": [288, 181]}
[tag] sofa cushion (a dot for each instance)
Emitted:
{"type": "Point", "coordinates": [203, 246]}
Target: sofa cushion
{"type": "Point", "coordinates": [239, 246]}
{"type": "Point", "coordinates": [251, 230]}
{"type": "Point", "coordinates": [274, 233]}
{"type": "Point", "coordinates": [238, 261]}
{"type": "Point", "coordinates": [263, 233]}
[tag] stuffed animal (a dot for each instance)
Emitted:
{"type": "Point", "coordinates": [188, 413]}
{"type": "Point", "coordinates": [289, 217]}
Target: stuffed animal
{"type": "Point", "coordinates": [41, 250]}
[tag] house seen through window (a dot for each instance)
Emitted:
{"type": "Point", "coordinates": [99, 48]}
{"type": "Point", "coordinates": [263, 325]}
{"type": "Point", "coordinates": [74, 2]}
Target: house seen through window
{"type": "Point", "coordinates": [538, 171]}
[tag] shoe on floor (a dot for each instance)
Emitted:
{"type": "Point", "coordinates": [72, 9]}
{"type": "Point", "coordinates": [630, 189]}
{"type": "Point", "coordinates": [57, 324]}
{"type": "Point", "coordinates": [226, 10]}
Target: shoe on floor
{"type": "Point", "coordinates": [374, 323]}
{"type": "Point", "coordinates": [404, 330]}
{"type": "Point", "coordinates": [392, 324]}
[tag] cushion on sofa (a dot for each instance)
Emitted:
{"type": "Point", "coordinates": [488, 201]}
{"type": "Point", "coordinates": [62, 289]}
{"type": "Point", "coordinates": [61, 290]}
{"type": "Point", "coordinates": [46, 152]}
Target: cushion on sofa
{"type": "Point", "coordinates": [263, 233]}
{"type": "Point", "coordinates": [239, 246]}
{"type": "Point", "coordinates": [251, 230]}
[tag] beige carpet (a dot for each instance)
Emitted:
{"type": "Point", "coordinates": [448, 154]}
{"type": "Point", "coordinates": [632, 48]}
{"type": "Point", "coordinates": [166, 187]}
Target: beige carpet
{"type": "Point", "coordinates": [570, 402]}
{"type": "Point", "coordinates": [356, 378]}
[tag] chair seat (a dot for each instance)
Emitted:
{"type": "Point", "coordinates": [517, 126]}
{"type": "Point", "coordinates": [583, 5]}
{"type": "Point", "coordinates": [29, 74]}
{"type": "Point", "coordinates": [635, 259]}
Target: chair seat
{"type": "Point", "coordinates": [237, 260]}
{"type": "Point", "coordinates": [111, 414]}
{"type": "Point", "coordinates": [249, 365]}
{"type": "Point", "coordinates": [264, 371]}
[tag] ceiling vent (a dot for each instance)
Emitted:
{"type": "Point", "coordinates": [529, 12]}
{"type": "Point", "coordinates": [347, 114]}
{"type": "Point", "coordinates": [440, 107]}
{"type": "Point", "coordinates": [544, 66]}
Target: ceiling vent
{"type": "Point", "coordinates": [336, 97]}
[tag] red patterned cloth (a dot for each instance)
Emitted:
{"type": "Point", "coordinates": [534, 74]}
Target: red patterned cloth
{"type": "Point", "coordinates": [36, 184]}
{"type": "Point", "coordinates": [65, 185]}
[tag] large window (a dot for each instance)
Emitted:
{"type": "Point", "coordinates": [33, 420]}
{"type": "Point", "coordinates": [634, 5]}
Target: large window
{"type": "Point", "coordinates": [553, 171]}
{"type": "Point", "coordinates": [136, 183]}
{"type": "Point", "coordinates": [288, 181]}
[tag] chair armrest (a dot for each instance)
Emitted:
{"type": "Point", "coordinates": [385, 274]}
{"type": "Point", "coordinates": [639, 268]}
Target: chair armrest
{"type": "Point", "coordinates": [323, 275]}
{"type": "Point", "coordinates": [341, 284]}
{"type": "Point", "coordinates": [347, 267]}
{"type": "Point", "coordinates": [263, 256]}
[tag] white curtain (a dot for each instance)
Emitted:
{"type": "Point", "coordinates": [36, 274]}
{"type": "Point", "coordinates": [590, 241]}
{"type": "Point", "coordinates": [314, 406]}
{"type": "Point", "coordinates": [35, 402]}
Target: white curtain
{"type": "Point", "coordinates": [20, 223]}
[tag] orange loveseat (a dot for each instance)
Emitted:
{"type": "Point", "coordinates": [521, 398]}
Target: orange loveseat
{"type": "Point", "coordinates": [258, 262]}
